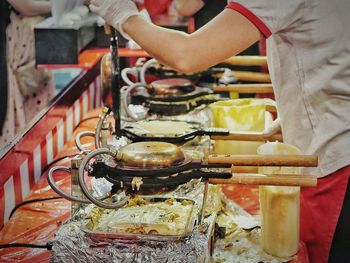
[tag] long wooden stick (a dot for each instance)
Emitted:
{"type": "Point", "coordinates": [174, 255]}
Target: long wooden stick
{"type": "Point", "coordinates": [249, 76]}
{"type": "Point", "coordinates": [244, 169]}
{"type": "Point", "coordinates": [268, 179]}
{"type": "Point", "coordinates": [249, 136]}
{"type": "Point", "coordinates": [252, 76]}
{"type": "Point", "coordinates": [244, 88]}
{"type": "Point", "coordinates": [264, 160]}
{"type": "Point", "coordinates": [108, 29]}
{"type": "Point", "coordinates": [247, 60]}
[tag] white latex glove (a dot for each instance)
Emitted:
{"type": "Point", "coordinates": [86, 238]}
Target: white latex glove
{"type": "Point", "coordinates": [115, 12]}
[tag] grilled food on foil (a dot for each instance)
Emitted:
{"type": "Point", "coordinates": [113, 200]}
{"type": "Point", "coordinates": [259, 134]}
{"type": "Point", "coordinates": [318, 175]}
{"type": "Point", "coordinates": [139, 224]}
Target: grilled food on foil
{"type": "Point", "coordinates": [140, 216]}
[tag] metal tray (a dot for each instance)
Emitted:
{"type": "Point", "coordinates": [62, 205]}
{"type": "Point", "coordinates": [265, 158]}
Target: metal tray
{"type": "Point", "coordinates": [154, 237]}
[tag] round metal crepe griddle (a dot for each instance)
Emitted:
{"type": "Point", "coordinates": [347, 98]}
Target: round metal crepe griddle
{"type": "Point", "coordinates": [150, 155]}
{"type": "Point", "coordinates": [171, 87]}
{"type": "Point", "coordinates": [162, 128]}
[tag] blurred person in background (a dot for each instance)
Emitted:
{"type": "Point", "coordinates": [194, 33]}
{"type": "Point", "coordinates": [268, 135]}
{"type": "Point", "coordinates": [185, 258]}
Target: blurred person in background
{"type": "Point", "coordinates": [201, 10]}
{"type": "Point", "coordinates": [26, 90]}
{"type": "Point", "coordinates": [4, 20]}
{"type": "Point", "coordinates": [157, 7]}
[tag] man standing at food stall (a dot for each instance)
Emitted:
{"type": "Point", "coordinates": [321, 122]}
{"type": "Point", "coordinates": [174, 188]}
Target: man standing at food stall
{"type": "Point", "coordinates": [308, 48]}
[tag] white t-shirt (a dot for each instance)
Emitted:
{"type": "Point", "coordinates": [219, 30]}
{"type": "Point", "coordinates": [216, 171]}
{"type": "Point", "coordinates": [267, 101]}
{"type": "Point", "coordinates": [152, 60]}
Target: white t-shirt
{"type": "Point", "coordinates": [308, 49]}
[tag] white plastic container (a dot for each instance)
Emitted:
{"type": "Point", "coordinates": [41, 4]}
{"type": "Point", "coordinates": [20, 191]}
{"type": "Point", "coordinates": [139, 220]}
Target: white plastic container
{"type": "Point", "coordinates": [279, 206]}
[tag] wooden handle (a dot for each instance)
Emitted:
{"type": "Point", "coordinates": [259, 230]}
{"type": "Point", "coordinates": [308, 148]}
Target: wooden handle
{"type": "Point", "coordinates": [247, 60]}
{"type": "Point", "coordinates": [248, 137]}
{"type": "Point", "coordinates": [249, 76]}
{"type": "Point", "coordinates": [268, 179]}
{"type": "Point", "coordinates": [264, 160]}
{"type": "Point", "coordinates": [244, 169]}
{"type": "Point", "coordinates": [252, 76]}
{"type": "Point", "coordinates": [108, 29]}
{"type": "Point", "coordinates": [244, 88]}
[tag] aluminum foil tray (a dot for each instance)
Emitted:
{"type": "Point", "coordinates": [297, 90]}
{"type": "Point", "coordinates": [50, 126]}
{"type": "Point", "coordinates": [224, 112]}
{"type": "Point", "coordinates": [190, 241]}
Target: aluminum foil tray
{"type": "Point", "coordinates": [140, 236]}
{"type": "Point", "coordinates": [72, 244]}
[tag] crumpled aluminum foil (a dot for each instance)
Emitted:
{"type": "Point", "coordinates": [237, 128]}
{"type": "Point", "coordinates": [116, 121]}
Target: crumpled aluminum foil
{"type": "Point", "coordinates": [202, 115]}
{"type": "Point", "coordinates": [72, 244]}
{"type": "Point", "coordinates": [244, 248]}
{"type": "Point", "coordinates": [243, 245]}
{"type": "Point", "coordinates": [101, 186]}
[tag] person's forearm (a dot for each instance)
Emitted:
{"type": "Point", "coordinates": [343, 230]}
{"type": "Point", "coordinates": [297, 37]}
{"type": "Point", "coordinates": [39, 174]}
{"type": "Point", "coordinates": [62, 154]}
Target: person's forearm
{"type": "Point", "coordinates": [224, 36]}
{"type": "Point", "coordinates": [31, 7]}
{"type": "Point", "coordinates": [167, 46]}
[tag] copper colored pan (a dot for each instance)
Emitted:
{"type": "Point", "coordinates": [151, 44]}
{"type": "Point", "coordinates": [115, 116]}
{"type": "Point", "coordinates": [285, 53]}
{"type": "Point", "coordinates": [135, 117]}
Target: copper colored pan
{"type": "Point", "coordinates": [171, 87]}
{"type": "Point", "coordinates": [148, 155]}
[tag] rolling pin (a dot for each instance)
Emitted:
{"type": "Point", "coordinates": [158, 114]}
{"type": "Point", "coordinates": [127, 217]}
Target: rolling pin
{"type": "Point", "coordinates": [248, 136]}
{"type": "Point", "coordinates": [264, 160]}
{"type": "Point", "coordinates": [244, 88]}
{"type": "Point", "coordinates": [268, 179]}
{"type": "Point", "coordinates": [247, 60]}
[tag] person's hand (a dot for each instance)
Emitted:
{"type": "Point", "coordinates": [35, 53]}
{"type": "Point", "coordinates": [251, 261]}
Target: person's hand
{"type": "Point", "coordinates": [115, 12]}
